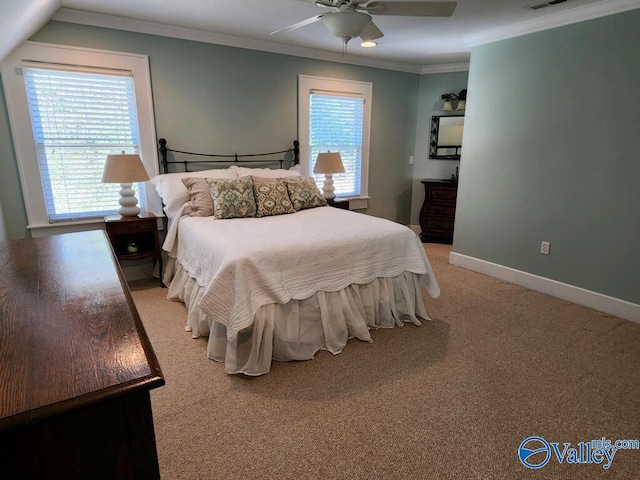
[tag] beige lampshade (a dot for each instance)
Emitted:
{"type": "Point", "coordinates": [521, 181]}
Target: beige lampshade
{"type": "Point", "coordinates": [124, 168]}
{"type": "Point", "coordinates": [328, 162]}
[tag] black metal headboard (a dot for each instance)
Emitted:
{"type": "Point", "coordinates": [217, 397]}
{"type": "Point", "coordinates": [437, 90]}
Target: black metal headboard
{"type": "Point", "coordinates": [293, 155]}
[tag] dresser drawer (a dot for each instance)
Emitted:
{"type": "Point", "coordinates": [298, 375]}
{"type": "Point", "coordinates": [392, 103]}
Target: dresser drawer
{"type": "Point", "coordinates": [441, 209]}
{"type": "Point", "coordinates": [146, 225]}
{"type": "Point", "coordinates": [442, 194]}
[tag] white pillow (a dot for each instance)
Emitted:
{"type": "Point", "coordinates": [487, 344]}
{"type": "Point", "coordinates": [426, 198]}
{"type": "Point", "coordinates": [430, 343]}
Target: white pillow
{"type": "Point", "coordinates": [297, 168]}
{"type": "Point", "coordinates": [173, 192]}
{"type": "Point", "coordinates": [265, 172]}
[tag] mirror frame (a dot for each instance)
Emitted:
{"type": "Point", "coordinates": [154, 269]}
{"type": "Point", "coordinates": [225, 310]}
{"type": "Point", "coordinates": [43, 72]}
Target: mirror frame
{"type": "Point", "coordinates": [433, 140]}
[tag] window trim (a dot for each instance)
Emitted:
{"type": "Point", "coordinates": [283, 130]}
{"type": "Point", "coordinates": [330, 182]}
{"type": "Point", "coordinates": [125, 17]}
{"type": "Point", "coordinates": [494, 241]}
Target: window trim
{"type": "Point", "coordinates": [21, 130]}
{"type": "Point", "coordinates": [307, 84]}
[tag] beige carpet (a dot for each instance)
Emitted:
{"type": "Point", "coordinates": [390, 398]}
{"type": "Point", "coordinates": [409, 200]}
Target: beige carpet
{"type": "Point", "coordinates": [452, 399]}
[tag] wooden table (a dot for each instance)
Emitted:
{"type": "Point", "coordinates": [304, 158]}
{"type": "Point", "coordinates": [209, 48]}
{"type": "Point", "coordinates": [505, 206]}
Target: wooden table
{"type": "Point", "coordinates": [76, 365]}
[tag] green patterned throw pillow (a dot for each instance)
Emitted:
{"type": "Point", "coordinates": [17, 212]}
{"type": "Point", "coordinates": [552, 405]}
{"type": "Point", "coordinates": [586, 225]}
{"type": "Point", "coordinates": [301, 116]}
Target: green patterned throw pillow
{"type": "Point", "coordinates": [232, 198]}
{"type": "Point", "coordinates": [272, 197]}
{"type": "Point", "coordinates": [304, 193]}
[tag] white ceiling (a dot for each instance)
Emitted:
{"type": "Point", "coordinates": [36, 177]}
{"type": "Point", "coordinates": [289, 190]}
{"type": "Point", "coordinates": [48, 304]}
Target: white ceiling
{"type": "Point", "coordinates": [410, 43]}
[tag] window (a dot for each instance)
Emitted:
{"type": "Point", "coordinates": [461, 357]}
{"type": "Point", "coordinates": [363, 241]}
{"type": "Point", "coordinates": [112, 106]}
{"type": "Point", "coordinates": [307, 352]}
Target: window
{"type": "Point", "coordinates": [77, 120]}
{"type": "Point", "coordinates": [69, 108]}
{"type": "Point", "coordinates": [334, 115]}
{"type": "Point", "coordinates": [335, 124]}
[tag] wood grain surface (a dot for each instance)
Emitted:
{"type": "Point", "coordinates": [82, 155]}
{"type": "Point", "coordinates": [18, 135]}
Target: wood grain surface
{"type": "Point", "coordinates": [70, 335]}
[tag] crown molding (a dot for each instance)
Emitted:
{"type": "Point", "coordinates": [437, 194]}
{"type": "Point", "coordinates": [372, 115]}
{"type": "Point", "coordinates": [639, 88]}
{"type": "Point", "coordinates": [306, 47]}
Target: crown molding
{"type": "Point", "coordinates": [445, 68]}
{"type": "Point", "coordinates": [184, 33]}
{"type": "Point", "coordinates": [547, 22]}
{"type": "Point", "coordinates": [567, 17]}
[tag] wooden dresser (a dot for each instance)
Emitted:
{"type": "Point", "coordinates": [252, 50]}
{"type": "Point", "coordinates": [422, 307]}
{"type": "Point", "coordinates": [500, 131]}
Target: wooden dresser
{"type": "Point", "coordinates": [438, 211]}
{"type": "Point", "coordinates": [76, 365]}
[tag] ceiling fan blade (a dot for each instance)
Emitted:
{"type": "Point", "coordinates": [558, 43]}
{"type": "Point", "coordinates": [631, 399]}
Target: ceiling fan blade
{"type": "Point", "coordinates": [335, 3]}
{"type": "Point", "coordinates": [323, 3]}
{"type": "Point", "coordinates": [412, 9]}
{"type": "Point", "coordinates": [301, 24]}
{"type": "Point", "coordinates": [371, 32]}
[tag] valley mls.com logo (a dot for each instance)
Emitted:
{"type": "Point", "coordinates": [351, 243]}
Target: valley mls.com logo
{"type": "Point", "coordinates": [536, 452]}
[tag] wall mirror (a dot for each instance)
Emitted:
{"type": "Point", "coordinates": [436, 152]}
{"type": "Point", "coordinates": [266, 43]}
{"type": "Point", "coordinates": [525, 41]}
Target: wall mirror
{"type": "Point", "coordinates": [446, 137]}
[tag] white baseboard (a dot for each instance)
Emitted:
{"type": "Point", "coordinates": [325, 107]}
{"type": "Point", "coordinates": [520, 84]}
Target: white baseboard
{"type": "Point", "coordinates": [581, 296]}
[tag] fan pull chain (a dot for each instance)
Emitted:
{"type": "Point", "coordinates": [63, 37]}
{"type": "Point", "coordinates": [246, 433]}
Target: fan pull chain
{"type": "Point", "coordinates": [345, 40]}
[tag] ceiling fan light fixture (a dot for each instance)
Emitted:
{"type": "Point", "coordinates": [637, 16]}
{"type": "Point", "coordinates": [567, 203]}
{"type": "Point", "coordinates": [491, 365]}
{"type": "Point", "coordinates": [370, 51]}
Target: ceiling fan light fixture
{"type": "Point", "coordinates": [346, 24]}
{"type": "Point", "coordinates": [368, 44]}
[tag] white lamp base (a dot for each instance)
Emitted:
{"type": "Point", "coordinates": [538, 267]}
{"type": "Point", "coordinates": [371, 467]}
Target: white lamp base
{"type": "Point", "coordinates": [128, 201]}
{"type": "Point", "coordinates": [327, 187]}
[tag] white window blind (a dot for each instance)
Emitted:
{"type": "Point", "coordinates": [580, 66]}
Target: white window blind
{"type": "Point", "coordinates": [79, 118]}
{"type": "Point", "coordinates": [336, 125]}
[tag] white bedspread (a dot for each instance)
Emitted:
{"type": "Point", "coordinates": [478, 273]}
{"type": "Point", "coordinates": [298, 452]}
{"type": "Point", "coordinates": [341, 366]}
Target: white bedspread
{"type": "Point", "coordinates": [245, 263]}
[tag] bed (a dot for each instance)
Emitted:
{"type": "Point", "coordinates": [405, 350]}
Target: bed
{"type": "Point", "coordinates": [283, 286]}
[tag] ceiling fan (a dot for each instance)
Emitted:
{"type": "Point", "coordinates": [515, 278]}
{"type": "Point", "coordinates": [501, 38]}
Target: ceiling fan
{"type": "Point", "coordinates": [352, 18]}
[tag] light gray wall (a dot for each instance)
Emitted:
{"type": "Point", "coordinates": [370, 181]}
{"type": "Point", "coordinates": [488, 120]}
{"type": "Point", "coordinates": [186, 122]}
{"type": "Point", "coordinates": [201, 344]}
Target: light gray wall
{"type": "Point", "coordinates": [551, 153]}
{"type": "Point", "coordinates": [432, 86]}
{"type": "Point", "coordinates": [213, 98]}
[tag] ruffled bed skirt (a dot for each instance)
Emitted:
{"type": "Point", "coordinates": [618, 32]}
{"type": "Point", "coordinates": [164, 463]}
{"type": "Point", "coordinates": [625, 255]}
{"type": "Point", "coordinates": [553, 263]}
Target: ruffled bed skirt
{"type": "Point", "coordinates": [298, 329]}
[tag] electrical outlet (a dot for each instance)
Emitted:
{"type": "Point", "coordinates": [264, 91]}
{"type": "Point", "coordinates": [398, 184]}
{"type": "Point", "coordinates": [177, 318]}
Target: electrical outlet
{"type": "Point", "coordinates": [544, 248]}
{"type": "Point", "coordinates": [411, 160]}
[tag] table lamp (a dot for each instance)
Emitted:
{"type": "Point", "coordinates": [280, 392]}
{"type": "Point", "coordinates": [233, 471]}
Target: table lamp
{"type": "Point", "coordinates": [125, 169]}
{"type": "Point", "coordinates": [328, 163]}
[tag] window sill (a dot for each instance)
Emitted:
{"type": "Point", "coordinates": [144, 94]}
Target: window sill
{"type": "Point", "coordinates": [47, 229]}
{"type": "Point", "coordinates": [86, 224]}
{"type": "Point", "coordinates": [68, 223]}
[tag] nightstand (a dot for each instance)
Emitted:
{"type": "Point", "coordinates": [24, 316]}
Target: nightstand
{"type": "Point", "coordinates": [135, 238]}
{"type": "Point", "coordinates": [339, 203]}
